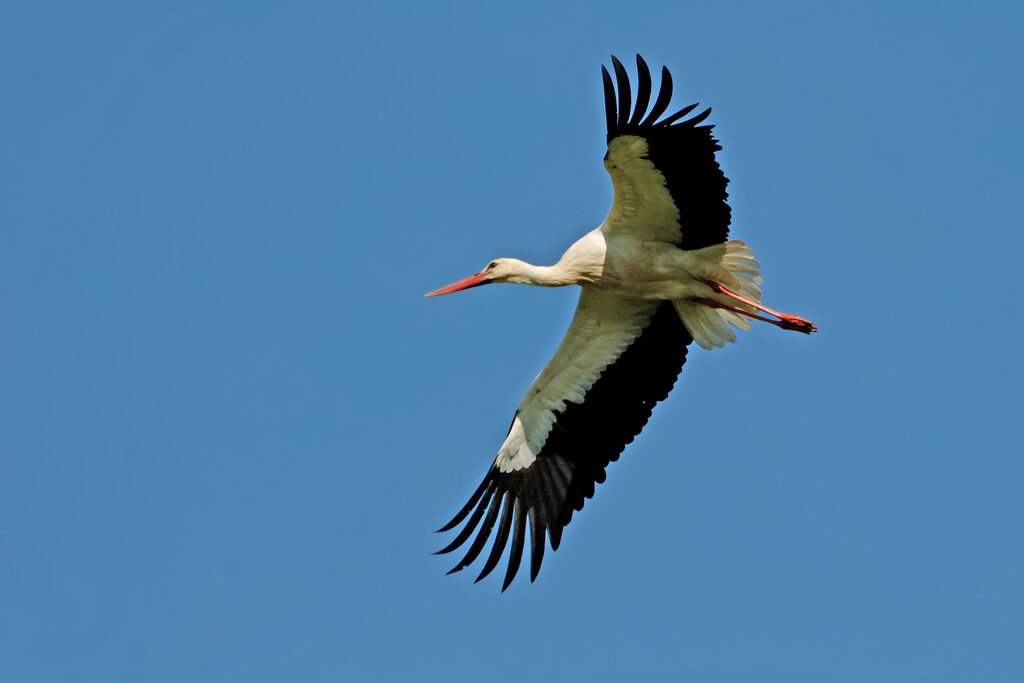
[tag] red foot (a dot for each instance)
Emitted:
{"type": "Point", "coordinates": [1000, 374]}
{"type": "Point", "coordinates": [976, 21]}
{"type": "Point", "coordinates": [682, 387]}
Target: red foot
{"type": "Point", "coordinates": [794, 322]}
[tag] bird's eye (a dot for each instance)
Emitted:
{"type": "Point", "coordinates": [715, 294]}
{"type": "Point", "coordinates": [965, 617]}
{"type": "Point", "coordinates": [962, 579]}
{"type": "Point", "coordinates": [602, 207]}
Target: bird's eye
{"type": "Point", "coordinates": [492, 265]}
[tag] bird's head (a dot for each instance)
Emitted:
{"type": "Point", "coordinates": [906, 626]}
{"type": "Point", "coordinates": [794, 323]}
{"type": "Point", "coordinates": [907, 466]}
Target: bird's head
{"type": "Point", "coordinates": [498, 270]}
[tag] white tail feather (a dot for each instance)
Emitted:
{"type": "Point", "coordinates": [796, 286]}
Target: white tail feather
{"type": "Point", "coordinates": [737, 270]}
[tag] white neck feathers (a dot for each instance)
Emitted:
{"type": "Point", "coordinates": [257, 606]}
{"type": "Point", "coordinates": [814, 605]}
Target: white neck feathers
{"type": "Point", "coordinates": [557, 275]}
{"type": "Point", "coordinates": [582, 262]}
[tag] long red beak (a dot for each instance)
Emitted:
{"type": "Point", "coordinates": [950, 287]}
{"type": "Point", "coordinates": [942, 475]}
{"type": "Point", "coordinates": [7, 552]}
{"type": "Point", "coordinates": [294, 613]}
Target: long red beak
{"type": "Point", "coordinates": [464, 283]}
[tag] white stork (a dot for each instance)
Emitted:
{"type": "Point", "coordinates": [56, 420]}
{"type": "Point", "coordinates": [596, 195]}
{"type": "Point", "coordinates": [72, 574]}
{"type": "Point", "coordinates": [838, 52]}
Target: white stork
{"type": "Point", "coordinates": [657, 274]}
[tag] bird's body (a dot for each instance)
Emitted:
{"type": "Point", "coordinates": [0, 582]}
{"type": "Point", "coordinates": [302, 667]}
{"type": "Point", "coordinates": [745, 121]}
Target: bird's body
{"type": "Point", "coordinates": [657, 274]}
{"type": "Point", "coordinates": [626, 265]}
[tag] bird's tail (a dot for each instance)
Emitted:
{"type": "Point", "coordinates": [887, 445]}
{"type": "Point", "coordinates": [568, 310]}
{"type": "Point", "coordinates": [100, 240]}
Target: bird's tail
{"type": "Point", "coordinates": [736, 269]}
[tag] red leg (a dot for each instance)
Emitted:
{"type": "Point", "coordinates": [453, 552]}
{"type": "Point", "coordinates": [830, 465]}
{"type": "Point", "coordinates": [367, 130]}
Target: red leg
{"type": "Point", "coordinates": [786, 320]}
{"type": "Point", "coordinates": [784, 324]}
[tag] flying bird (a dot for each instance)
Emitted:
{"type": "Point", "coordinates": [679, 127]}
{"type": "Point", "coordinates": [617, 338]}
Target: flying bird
{"type": "Point", "coordinates": [657, 274]}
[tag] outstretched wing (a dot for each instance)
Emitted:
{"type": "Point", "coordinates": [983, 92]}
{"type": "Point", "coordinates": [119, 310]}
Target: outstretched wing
{"type": "Point", "coordinates": [617, 360]}
{"type": "Point", "coordinates": [668, 186]}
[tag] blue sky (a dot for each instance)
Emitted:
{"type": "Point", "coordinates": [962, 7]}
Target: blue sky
{"type": "Point", "coordinates": [231, 421]}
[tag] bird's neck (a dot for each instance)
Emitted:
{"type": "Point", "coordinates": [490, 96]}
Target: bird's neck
{"type": "Point", "coordinates": [581, 263]}
{"type": "Point", "coordinates": [545, 276]}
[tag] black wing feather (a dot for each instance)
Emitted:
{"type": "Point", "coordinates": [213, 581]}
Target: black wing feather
{"type": "Point", "coordinates": [609, 99]}
{"type": "Point", "coordinates": [622, 80]}
{"type": "Point", "coordinates": [481, 537]}
{"type": "Point", "coordinates": [515, 555]}
{"type": "Point", "coordinates": [465, 510]}
{"type": "Point", "coordinates": [643, 92]}
{"type": "Point", "coordinates": [669, 120]}
{"type": "Point", "coordinates": [470, 525]}
{"type": "Point", "coordinates": [684, 153]}
{"type": "Point", "coordinates": [536, 540]}
{"type": "Point", "coordinates": [585, 438]}
{"type": "Point", "coordinates": [660, 104]}
{"type": "Point", "coordinates": [502, 538]}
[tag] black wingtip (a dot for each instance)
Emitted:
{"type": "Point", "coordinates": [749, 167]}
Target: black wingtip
{"type": "Point", "coordinates": [471, 525]}
{"type": "Point", "coordinates": [668, 121]}
{"type": "Point", "coordinates": [555, 534]}
{"type": "Point", "coordinates": [515, 556]}
{"type": "Point", "coordinates": [501, 539]}
{"type": "Point", "coordinates": [481, 538]}
{"type": "Point", "coordinates": [461, 515]}
{"type": "Point", "coordinates": [536, 543]}
{"type": "Point", "coordinates": [625, 97]}
{"type": "Point", "coordinates": [609, 101]}
{"type": "Point", "coordinates": [643, 91]}
{"type": "Point", "coordinates": [699, 117]}
{"type": "Point", "coordinates": [450, 547]}
{"type": "Point", "coordinates": [664, 98]}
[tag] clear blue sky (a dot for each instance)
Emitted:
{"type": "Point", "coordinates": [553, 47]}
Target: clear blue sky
{"type": "Point", "coordinates": [231, 422]}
